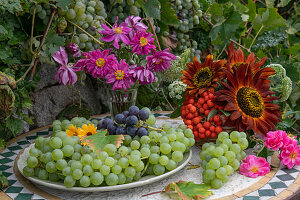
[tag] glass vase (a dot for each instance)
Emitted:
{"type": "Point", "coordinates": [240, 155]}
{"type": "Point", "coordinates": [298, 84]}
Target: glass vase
{"type": "Point", "coordinates": [119, 100]}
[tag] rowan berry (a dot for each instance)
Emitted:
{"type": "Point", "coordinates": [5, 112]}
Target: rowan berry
{"type": "Point", "coordinates": [218, 129]}
{"type": "Point", "coordinates": [212, 128]}
{"type": "Point", "coordinates": [201, 110]}
{"type": "Point", "coordinates": [202, 130]}
{"type": "Point", "coordinates": [207, 133]}
{"type": "Point", "coordinates": [190, 116]}
{"type": "Point", "coordinates": [201, 101]}
{"type": "Point", "coordinates": [206, 125]}
{"type": "Point", "coordinates": [213, 135]}
{"type": "Point", "coordinates": [216, 118]}
{"type": "Point", "coordinates": [210, 103]}
{"type": "Point", "coordinates": [207, 112]}
{"type": "Point", "coordinates": [205, 106]}
{"type": "Point", "coordinates": [211, 96]}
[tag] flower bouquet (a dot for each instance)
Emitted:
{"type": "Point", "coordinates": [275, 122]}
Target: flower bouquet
{"type": "Point", "coordinates": [121, 66]}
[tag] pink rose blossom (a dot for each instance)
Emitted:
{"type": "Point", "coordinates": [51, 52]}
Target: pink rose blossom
{"type": "Point", "coordinates": [65, 73]}
{"type": "Point", "coordinates": [290, 156]}
{"type": "Point", "coordinates": [142, 43]}
{"type": "Point", "coordinates": [253, 166]}
{"type": "Point", "coordinates": [276, 139]}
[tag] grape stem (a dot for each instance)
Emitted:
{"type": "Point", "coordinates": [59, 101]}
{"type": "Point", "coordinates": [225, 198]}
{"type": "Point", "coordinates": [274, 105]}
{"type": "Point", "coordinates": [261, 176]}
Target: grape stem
{"type": "Point", "coordinates": [95, 39]}
{"type": "Point", "coordinates": [143, 172]}
{"type": "Point", "coordinates": [152, 193]}
{"type": "Point", "coordinates": [150, 127]}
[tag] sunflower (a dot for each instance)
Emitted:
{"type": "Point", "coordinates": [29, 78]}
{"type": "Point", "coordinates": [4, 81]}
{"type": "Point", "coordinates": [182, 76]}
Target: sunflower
{"type": "Point", "coordinates": [200, 77]}
{"type": "Point", "coordinates": [237, 58]}
{"type": "Point", "coordinates": [87, 130]}
{"type": "Point", "coordinates": [248, 98]}
{"type": "Point", "coordinates": [72, 130]}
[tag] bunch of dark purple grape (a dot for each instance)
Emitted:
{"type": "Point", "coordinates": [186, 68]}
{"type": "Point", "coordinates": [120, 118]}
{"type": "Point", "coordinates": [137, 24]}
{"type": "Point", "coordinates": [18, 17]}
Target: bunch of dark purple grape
{"type": "Point", "coordinates": [133, 122]}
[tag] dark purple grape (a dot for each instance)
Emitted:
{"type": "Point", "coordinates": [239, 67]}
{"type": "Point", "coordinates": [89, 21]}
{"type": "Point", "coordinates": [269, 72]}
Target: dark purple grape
{"type": "Point", "coordinates": [143, 114]}
{"type": "Point", "coordinates": [131, 130]}
{"type": "Point", "coordinates": [112, 129]}
{"type": "Point", "coordinates": [133, 110]}
{"type": "Point", "coordinates": [121, 131]}
{"type": "Point", "coordinates": [131, 120]}
{"type": "Point", "coordinates": [100, 124]}
{"type": "Point", "coordinates": [125, 113]}
{"type": "Point", "coordinates": [120, 119]}
{"type": "Point", "coordinates": [106, 122]}
{"type": "Point", "coordinates": [142, 131]}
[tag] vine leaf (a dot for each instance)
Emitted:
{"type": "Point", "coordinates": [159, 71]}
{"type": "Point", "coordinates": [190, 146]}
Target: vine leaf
{"type": "Point", "coordinates": [188, 190]}
{"type": "Point", "coordinates": [63, 4]}
{"type": "Point", "coordinates": [269, 19]}
{"type": "Point", "coordinates": [168, 14]}
{"type": "Point", "coordinates": [211, 114]}
{"type": "Point", "coordinates": [99, 140]}
{"type": "Point", "coordinates": [151, 8]}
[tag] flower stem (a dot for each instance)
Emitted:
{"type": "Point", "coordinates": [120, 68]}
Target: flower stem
{"type": "Point", "coordinates": [77, 26]}
{"type": "Point", "coordinates": [156, 38]}
{"type": "Point", "coordinates": [32, 27]}
{"type": "Point", "coordinates": [262, 26]}
{"type": "Point", "coordinates": [240, 45]}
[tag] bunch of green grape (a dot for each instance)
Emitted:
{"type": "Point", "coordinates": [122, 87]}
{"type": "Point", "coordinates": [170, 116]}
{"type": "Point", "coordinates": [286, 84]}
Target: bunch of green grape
{"type": "Point", "coordinates": [76, 121]}
{"type": "Point", "coordinates": [89, 15]}
{"type": "Point", "coordinates": [63, 158]}
{"type": "Point", "coordinates": [220, 160]}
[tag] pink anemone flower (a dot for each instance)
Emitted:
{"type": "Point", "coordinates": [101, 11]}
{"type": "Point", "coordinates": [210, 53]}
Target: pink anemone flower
{"type": "Point", "coordinates": [253, 166]}
{"type": "Point", "coordinates": [142, 43]}
{"type": "Point", "coordinates": [65, 73]}
{"type": "Point", "coordinates": [116, 33]}
{"type": "Point", "coordinates": [119, 76]}
{"type": "Point", "coordinates": [142, 74]}
{"type": "Point", "coordinates": [135, 24]}
{"type": "Point", "coordinates": [160, 60]}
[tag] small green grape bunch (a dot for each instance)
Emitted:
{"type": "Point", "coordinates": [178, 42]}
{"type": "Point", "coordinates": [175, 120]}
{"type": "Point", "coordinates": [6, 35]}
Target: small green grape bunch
{"type": "Point", "coordinates": [61, 25]}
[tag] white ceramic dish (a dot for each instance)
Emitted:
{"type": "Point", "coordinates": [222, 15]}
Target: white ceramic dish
{"type": "Point", "coordinates": [60, 186]}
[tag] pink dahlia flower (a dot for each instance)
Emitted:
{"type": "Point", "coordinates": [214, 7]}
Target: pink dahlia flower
{"type": "Point", "coordinates": [65, 73]}
{"type": "Point", "coordinates": [142, 74]}
{"type": "Point", "coordinates": [290, 156]}
{"type": "Point", "coordinates": [119, 76]}
{"type": "Point", "coordinates": [75, 50]}
{"type": "Point", "coordinates": [135, 24]}
{"type": "Point", "coordinates": [253, 166]}
{"type": "Point", "coordinates": [98, 63]}
{"type": "Point", "coordinates": [276, 139]}
{"type": "Point", "coordinates": [116, 33]}
{"type": "Point", "coordinates": [160, 60]}
{"type": "Point", "coordinates": [142, 43]}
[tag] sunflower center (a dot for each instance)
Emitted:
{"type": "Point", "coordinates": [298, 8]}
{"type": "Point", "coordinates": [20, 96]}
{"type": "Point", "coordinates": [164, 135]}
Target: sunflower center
{"type": "Point", "coordinates": [100, 62]}
{"type": "Point", "coordinates": [118, 30]}
{"type": "Point", "coordinates": [293, 155]}
{"type": "Point", "coordinates": [203, 77]}
{"type": "Point", "coordinates": [250, 102]}
{"type": "Point", "coordinates": [119, 74]}
{"type": "Point", "coordinates": [254, 169]}
{"type": "Point", "coordinates": [143, 41]}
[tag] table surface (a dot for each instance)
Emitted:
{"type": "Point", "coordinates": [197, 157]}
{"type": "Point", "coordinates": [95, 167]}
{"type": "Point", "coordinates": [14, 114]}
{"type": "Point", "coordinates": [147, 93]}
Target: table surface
{"type": "Point", "coordinates": [278, 184]}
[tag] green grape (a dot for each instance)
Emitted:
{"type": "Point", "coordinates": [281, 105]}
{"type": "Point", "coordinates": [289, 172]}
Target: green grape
{"type": "Point", "coordinates": [209, 174]}
{"type": "Point", "coordinates": [76, 165]}
{"type": "Point", "coordinates": [96, 178]}
{"type": "Point", "coordinates": [145, 152]}
{"type": "Point", "coordinates": [158, 169]}
{"type": "Point", "coordinates": [171, 137]}
{"type": "Point", "coordinates": [135, 145]}
{"type": "Point", "coordinates": [102, 156]}
{"type": "Point", "coordinates": [230, 155]}
{"type": "Point", "coordinates": [179, 135]}
{"type": "Point", "coordinates": [43, 174]}
{"type": "Point", "coordinates": [68, 150]}
{"type": "Point", "coordinates": [122, 178]}
{"type": "Point", "coordinates": [203, 164]}
{"type": "Point", "coordinates": [61, 134]}
{"type": "Point", "coordinates": [218, 142]}
{"type": "Point", "coordinates": [136, 152]}
{"type": "Point", "coordinates": [66, 171]}
{"type": "Point", "coordinates": [68, 141]}
{"type": "Point", "coordinates": [235, 164]}
{"type": "Point", "coordinates": [154, 149]}
{"type": "Point", "coordinates": [225, 179]}
{"type": "Point", "coordinates": [243, 143]}
{"type": "Point", "coordinates": [134, 160]}
{"type": "Point", "coordinates": [111, 179]}
{"type": "Point", "coordinates": [36, 171]}
{"type": "Point", "coordinates": [137, 176]}
{"type": "Point", "coordinates": [166, 126]}
{"type": "Point", "coordinates": [127, 140]}
{"type": "Point", "coordinates": [47, 148]}
{"type": "Point", "coordinates": [186, 141]}
{"type": "Point", "coordinates": [205, 146]}
{"type": "Point", "coordinates": [219, 151]}
{"type": "Point", "coordinates": [57, 154]}
{"type": "Point", "coordinates": [223, 160]}
{"type": "Point", "coordinates": [96, 164]}
{"type": "Point", "coordinates": [165, 148]}
{"type": "Point", "coordinates": [216, 183]}
{"type": "Point", "coordinates": [71, 14]}
{"type": "Point", "coordinates": [32, 161]}
{"type": "Point", "coordinates": [235, 148]}
{"type": "Point", "coordinates": [243, 135]}
{"type": "Point", "coordinates": [28, 171]}
{"type": "Point", "coordinates": [243, 154]}
{"type": "Point", "coordinates": [109, 161]}
{"type": "Point", "coordinates": [192, 142]}
{"type": "Point", "coordinates": [56, 128]}
{"type": "Point", "coordinates": [153, 159]}
{"type": "Point", "coordinates": [77, 148]}
{"type": "Point", "coordinates": [69, 181]}
{"type": "Point", "coordinates": [76, 156]}
{"type": "Point", "coordinates": [221, 173]}
{"type": "Point", "coordinates": [83, 37]}
{"type": "Point", "coordinates": [48, 157]}
{"type": "Point", "coordinates": [110, 149]}
{"type": "Point", "coordinates": [104, 170]}
{"type": "Point", "coordinates": [123, 151]}
{"type": "Point", "coordinates": [163, 160]}
{"type": "Point", "coordinates": [61, 164]}
{"type": "Point", "coordinates": [117, 169]}
{"type": "Point", "coordinates": [208, 158]}
{"type": "Point", "coordinates": [129, 172]}
{"type": "Point", "coordinates": [228, 142]}
{"type": "Point", "coordinates": [53, 177]}
{"type": "Point", "coordinates": [224, 147]}
{"type": "Point", "coordinates": [90, 9]}
{"type": "Point", "coordinates": [210, 150]}
{"type": "Point", "coordinates": [123, 162]}
{"type": "Point", "coordinates": [151, 120]}
{"type": "Point", "coordinates": [223, 135]}
{"type": "Point", "coordinates": [86, 159]}
{"type": "Point", "coordinates": [34, 152]}
{"type": "Point", "coordinates": [87, 170]}
{"type": "Point", "coordinates": [214, 163]}
{"type": "Point", "coordinates": [77, 174]}
{"type": "Point", "coordinates": [55, 142]}
{"type": "Point", "coordinates": [188, 133]}
{"type": "Point", "coordinates": [205, 180]}
{"type": "Point", "coordinates": [229, 170]}
{"type": "Point", "coordinates": [145, 139]}
{"type": "Point", "coordinates": [235, 136]}
{"type": "Point", "coordinates": [177, 156]}
{"type": "Point", "coordinates": [238, 157]}
{"type": "Point", "coordinates": [76, 139]}
{"type": "Point", "coordinates": [79, 8]}
{"type": "Point", "coordinates": [164, 139]}
{"type": "Point", "coordinates": [140, 166]}
{"type": "Point", "coordinates": [85, 181]}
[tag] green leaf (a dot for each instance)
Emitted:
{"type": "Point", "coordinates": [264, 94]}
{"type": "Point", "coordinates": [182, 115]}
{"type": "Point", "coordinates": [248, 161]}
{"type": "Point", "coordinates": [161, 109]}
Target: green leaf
{"type": "Point", "coordinates": [151, 8]}
{"type": "Point", "coordinates": [263, 153]}
{"type": "Point", "coordinates": [11, 6]}
{"type": "Point", "coordinates": [211, 114]}
{"type": "Point", "coordinates": [293, 29]}
{"type": "Point", "coordinates": [176, 113]}
{"type": "Point", "coordinates": [252, 10]}
{"type": "Point", "coordinates": [270, 3]}
{"type": "Point", "coordinates": [15, 125]}
{"type": "Point", "coordinates": [168, 14]}
{"type": "Point", "coordinates": [99, 140]}
{"type": "Point", "coordinates": [216, 10]}
{"type": "Point", "coordinates": [226, 113]}
{"type": "Point", "coordinates": [28, 119]}
{"type": "Point", "coordinates": [269, 18]}
{"type": "Point", "coordinates": [3, 31]}
{"type": "Point", "coordinates": [188, 190]}
{"type": "Point", "coordinates": [283, 3]}
{"type": "Point", "coordinates": [63, 4]}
